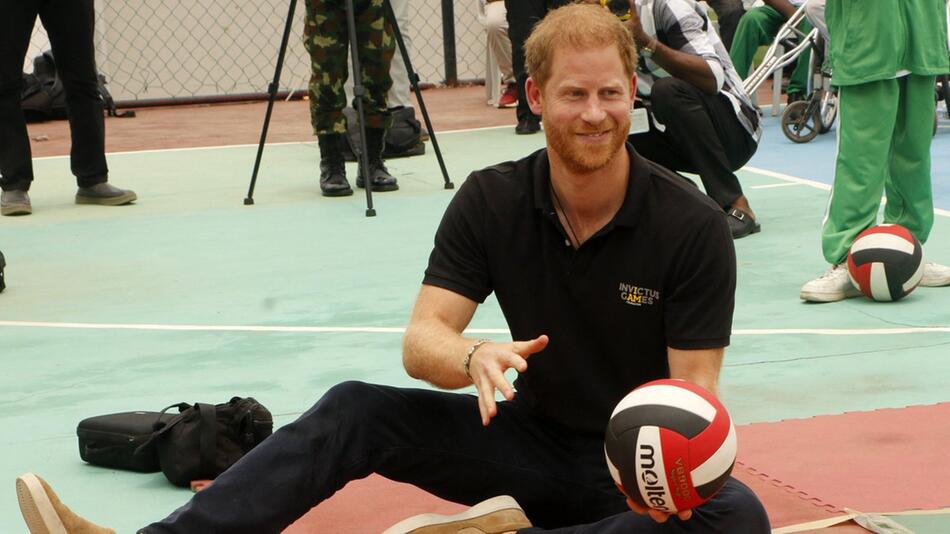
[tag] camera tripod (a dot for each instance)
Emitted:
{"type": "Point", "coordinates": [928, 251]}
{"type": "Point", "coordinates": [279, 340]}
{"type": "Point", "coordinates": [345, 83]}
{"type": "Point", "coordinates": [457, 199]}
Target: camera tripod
{"type": "Point", "coordinates": [359, 92]}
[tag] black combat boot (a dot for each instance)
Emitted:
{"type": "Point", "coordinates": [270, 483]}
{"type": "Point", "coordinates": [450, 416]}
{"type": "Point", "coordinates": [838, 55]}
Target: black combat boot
{"type": "Point", "coordinates": [332, 172]}
{"type": "Point", "coordinates": [379, 176]}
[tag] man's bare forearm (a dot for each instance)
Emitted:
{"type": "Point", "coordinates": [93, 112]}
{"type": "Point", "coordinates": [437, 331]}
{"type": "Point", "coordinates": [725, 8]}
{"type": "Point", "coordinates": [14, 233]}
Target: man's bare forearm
{"type": "Point", "coordinates": [687, 67]}
{"type": "Point", "coordinates": [434, 352]}
{"type": "Point", "coordinates": [782, 6]}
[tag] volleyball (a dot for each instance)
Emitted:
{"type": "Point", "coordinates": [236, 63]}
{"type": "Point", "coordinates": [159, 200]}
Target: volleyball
{"type": "Point", "coordinates": [670, 445]}
{"type": "Point", "coordinates": [886, 262]}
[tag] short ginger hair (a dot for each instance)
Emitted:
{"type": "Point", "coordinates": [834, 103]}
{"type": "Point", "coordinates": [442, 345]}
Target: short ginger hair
{"type": "Point", "coordinates": [578, 25]}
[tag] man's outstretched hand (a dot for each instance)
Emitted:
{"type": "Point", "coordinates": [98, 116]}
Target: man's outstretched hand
{"type": "Point", "coordinates": [487, 369]}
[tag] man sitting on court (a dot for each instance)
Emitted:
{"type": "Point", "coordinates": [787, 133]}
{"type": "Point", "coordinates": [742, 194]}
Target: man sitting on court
{"type": "Point", "coordinates": [702, 121]}
{"type": "Point", "coordinates": [560, 237]}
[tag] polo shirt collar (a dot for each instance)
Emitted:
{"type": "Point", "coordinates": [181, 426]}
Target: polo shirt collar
{"type": "Point", "coordinates": [637, 185]}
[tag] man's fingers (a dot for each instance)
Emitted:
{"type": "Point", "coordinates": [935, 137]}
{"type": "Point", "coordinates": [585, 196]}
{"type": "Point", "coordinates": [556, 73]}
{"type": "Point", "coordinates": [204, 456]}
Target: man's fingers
{"type": "Point", "coordinates": [502, 385]}
{"type": "Point", "coordinates": [685, 514]}
{"type": "Point", "coordinates": [517, 363]}
{"type": "Point", "coordinates": [658, 516]}
{"type": "Point", "coordinates": [527, 348]}
{"type": "Point", "coordinates": [642, 510]}
{"type": "Point", "coordinates": [486, 400]}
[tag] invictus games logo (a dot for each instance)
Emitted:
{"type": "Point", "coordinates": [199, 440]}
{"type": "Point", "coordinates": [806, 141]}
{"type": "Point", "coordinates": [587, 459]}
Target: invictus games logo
{"type": "Point", "coordinates": [638, 296]}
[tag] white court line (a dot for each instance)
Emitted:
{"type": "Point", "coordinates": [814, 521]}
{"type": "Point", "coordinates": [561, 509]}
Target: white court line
{"type": "Point", "coordinates": [400, 330]}
{"type": "Point", "coordinates": [788, 178]}
{"type": "Point", "coordinates": [764, 172]}
{"type": "Point", "coordinates": [813, 183]}
{"type": "Point", "coordinates": [772, 186]}
{"type": "Point", "coordinates": [218, 147]}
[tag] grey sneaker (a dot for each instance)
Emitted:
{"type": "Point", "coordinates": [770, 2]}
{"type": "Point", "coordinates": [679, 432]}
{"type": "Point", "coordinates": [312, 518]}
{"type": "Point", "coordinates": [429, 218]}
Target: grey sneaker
{"type": "Point", "coordinates": [494, 516]}
{"type": "Point", "coordinates": [104, 194]}
{"type": "Point", "coordinates": [832, 286]}
{"type": "Point", "coordinates": [15, 203]}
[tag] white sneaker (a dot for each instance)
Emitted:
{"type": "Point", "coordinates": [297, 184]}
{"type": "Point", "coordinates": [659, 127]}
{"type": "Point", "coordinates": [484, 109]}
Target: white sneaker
{"type": "Point", "coordinates": [494, 516]}
{"type": "Point", "coordinates": [935, 275]}
{"type": "Point", "coordinates": [832, 286]}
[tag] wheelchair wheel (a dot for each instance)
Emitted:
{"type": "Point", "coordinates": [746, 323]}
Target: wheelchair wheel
{"type": "Point", "coordinates": [827, 110]}
{"type": "Point", "coordinates": [800, 122]}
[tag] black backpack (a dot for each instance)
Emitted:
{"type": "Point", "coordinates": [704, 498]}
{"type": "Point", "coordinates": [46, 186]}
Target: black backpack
{"type": "Point", "coordinates": [203, 440]}
{"type": "Point", "coordinates": [43, 97]}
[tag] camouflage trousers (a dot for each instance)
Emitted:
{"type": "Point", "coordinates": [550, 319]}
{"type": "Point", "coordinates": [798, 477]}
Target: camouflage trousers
{"type": "Point", "coordinates": [325, 37]}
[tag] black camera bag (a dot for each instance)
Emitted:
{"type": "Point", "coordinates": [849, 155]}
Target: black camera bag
{"type": "Point", "coordinates": [116, 440]}
{"type": "Point", "coordinates": [403, 137]}
{"type": "Point", "coordinates": [203, 440]}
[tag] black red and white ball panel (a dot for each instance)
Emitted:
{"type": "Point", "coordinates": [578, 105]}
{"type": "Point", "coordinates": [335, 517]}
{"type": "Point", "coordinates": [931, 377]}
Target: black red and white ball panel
{"type": "Point", "coordinates": [670, 444]}
{"type": "Point", "coordinates": [886, 262]}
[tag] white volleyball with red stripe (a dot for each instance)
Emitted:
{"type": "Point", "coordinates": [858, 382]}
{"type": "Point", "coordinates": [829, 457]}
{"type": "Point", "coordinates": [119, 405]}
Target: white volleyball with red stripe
{"type": "Point", "coordinates": [886, 262]}
{"type": "Point", "coordinates": [670, 445]}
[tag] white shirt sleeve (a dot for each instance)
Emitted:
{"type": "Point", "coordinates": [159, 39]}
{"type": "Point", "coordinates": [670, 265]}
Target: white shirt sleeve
{"type": "Point", "coordinates": [716, 68]}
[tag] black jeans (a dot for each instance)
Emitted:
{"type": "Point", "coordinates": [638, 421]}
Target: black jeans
{"type": "Point", "coordinates": [433, 440]}
{"type": "Point", "coordinates": [69, 24]}
{"type": "Point", "coordinates": [703, 135]}
{"type": "Point", "coordinates": [522, 16]}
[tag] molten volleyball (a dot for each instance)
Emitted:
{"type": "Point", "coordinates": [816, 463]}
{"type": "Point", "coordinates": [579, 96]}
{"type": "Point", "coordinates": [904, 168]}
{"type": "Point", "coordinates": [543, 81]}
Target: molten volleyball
{"type": "Point", "coordinates": [886, 262]}
{"type": "Point", "coordinates": [670, 445]}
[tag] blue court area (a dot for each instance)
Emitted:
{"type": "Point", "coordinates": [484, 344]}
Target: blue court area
{"type": "Point", "coordinates": [188, 295]}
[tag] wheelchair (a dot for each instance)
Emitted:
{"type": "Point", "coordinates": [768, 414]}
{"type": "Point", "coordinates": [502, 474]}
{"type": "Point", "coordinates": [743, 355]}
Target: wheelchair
{"type": "Point", "coordinates": [803, 120]}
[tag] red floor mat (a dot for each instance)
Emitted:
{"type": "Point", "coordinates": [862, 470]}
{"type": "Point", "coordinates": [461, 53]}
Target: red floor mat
{"type": "Point", "coordinates": [370, 506]}
{"type": "Point", "coordinates": [881, 461]}
{"type": "Point", "coordinates": [803, 470]}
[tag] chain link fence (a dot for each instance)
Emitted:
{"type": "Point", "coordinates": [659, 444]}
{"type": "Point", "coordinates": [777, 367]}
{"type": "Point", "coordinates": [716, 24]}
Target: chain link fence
{"type": "Point", "coordinates": [185, 50]}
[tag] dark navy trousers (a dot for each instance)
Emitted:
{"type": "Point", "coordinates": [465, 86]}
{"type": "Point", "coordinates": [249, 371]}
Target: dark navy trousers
{"type": "Point", "coordinates": [435, 440]}
{"type": "Point", "coordinates": [69, 25]}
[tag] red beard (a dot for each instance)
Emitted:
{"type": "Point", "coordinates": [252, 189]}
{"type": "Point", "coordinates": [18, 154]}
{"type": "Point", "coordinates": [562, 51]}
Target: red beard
{"type": "Point", "coordinates": [581, 157]}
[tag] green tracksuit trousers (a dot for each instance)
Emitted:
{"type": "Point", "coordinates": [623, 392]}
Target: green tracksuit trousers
{"type": "Point", "coordinates": [884, 132]}
{"type": "Point", "coordinates": [758, 27]}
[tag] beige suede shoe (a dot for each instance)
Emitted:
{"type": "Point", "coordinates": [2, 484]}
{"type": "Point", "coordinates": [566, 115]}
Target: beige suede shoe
{"type": "Point", "coordinates": [45, 514]}
{"type": "Point", "coordinates": [497, 515]}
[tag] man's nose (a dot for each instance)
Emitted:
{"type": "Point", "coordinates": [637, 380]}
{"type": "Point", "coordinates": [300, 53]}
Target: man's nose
{"type": "Point", "coordinates": [593, 111]}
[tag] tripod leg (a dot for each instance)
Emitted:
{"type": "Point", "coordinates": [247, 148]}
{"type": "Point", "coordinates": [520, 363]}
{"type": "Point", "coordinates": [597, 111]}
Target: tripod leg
{"type": "Point", "coordinates": [414, 79]}
{"type": "Point", "coordinates": [359, 92]}
{"type": "Point", "coordinates": [272, 94]}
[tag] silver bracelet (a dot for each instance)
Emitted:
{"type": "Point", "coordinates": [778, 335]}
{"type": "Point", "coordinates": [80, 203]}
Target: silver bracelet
{"type": "Point", "coordinates": [471, 351]}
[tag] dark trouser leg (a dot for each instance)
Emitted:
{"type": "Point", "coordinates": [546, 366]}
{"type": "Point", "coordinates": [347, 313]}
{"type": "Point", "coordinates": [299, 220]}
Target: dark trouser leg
{"type": "Point", "coordinates": [735, 509]}
{"type": "Point", "coordinates": [69, 24]}
{"type": "Point", "coordinates": [703, 136]}
{"type": "Point", "coordinates": [431, 439]}
{"type": "Point", "coordinates": [522, 16]}
{"type": "Point", "coordinates": [728, 13]}
{"type": "Point", "coordinates": [16, 24]}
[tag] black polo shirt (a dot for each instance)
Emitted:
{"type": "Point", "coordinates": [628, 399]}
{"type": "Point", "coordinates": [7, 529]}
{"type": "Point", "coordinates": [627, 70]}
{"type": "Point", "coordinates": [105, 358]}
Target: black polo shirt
{"type": "Point", "coordinates": [661, 273]}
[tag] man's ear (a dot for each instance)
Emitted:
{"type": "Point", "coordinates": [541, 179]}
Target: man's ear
{"type": "Point", "coordinates": [633, 87]}
{"type": "Point", "coordinates": [533, 93]}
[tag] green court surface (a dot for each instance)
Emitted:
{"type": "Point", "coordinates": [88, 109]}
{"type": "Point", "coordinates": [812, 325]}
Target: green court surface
{"type": "Point", "coordinates": [189, 295]}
